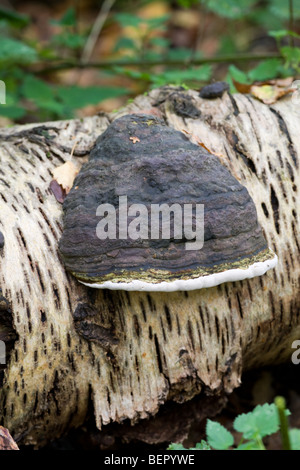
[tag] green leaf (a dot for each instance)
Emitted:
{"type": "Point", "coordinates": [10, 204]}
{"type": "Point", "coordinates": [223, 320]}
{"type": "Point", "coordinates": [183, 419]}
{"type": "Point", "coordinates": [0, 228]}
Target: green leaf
{"type": "Point", "coordinates": [127, 19]}
{"type": "Point", "coordinates": [261, 16]}
{"type": "Point", "coordinates": [250, 445]}
{"type": "Point", "coordinates": [54, 107]}
{"type": "Point", "coordinates": [157, 22]}
{"type": "Point", "coordinates": [238, 75]}
{"type": "Point", "coordinates": [160, 42]}
{"type": "Point", "coordinates": [265, 70]}
{"type": "Point", "coordinates": [75, 97]}
{"type": "Point", "coordinates": [233, 9]}
{"type": "Point", "coordinates": [176, 77]}
{"type": "Point", "coordinates": [218, 437]}
{"type": "Point", "coordinates": [280, 9]}
{"type": "Point", "coordinates": [282, 33]}
{"type": "Point", "coordinates": [68, 19]}
{"type": "Point", "coordinates": [199, 446]}
{"type": "Point", "coordinates": [36, 89]}
{"type": "Point", "coordinates": [291, 55]}
{"type": "Point", "coordinates": [182, 53]}
{"type": "Point", "coordinates": [175, 446]}
{"type": "Point", "coordinates": [260, 422]}
{"type": "Point", "coordinates": [12, 112]}
{"type": "Point", "coordinates": [14, 18]}
{"type": "Point", "coordinates": [125, 43]}
{"type": "Point", "coordinates": [70, 40]}
{"type": "Point", "coordinates": [295, 438]}
{"type": "Point", "coordinates": [15, 52]}
{"type": "Point", "coordinates": [203, 445]}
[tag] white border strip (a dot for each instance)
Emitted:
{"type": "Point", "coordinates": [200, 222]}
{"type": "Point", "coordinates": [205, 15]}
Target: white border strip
{"type": "Point", "coordinates": [211, 280]}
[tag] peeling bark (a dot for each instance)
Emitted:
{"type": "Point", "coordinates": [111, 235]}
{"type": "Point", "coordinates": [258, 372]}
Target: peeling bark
{"type": "Point", "coordinates": [131, 352]}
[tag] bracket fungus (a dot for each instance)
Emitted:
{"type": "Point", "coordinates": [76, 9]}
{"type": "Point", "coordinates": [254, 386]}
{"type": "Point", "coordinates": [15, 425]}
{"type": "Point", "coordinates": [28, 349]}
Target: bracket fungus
{"type": "Point", "coordinates": [134, 216]}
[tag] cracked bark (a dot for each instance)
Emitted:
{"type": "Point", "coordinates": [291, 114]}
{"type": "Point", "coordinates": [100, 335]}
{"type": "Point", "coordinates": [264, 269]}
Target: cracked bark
{"type": "Point", "coordinates": [131, 353]}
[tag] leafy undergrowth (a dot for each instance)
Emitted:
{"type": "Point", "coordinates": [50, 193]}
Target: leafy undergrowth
{"type": "Point", "coordinates": [253, 427]}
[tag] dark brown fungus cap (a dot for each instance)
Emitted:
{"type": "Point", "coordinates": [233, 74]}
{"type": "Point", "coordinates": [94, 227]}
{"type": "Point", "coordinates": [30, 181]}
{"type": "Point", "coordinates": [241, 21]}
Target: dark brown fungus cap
{"type": "Point", "coordinates": [140, 158]}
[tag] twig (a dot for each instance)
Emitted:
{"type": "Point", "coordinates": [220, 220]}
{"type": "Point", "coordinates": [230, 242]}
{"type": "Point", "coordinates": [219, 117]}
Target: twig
{"type": "Point", "coordinates": [284, 431]}
{"type": "Point", "coordinates": [96, 30]}
{"type": "Point", "coordinates": [152, 63]}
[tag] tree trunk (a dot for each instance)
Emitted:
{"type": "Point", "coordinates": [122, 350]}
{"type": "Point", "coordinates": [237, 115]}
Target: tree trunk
{"type": "Point", "coordinates": [141, 350]}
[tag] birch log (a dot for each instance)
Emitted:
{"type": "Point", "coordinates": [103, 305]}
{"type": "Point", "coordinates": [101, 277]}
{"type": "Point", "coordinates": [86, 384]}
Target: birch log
{"type": "Point", "coordinates": [141, 350]}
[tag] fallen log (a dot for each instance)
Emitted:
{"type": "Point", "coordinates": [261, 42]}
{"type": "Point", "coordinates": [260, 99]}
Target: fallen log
{"type": "Point", "coordinates": [150, 348]}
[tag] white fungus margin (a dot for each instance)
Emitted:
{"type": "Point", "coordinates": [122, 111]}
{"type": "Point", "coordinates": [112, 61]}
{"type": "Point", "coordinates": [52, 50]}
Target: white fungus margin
{"type": "Point", "coordinates": [256, 269]}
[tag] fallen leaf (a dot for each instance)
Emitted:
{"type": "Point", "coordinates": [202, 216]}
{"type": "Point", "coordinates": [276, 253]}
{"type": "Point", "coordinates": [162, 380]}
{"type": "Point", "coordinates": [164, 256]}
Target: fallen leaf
{"type": "Point", "coordinates": [242, 87]}
{"type": "Point", "coordinates": [6, 441]}
{"type": "Point", "coordinates": [267, 91]}
{"type": "Point", "coordinates": [269, 94]}
{"type": "Point", "coordinates": [58, 192]}
{"type": "Point", "coordinates": [282, 82]}
{"type": "Point", "coordinates": [134, 139]}
{"type": "Point", "coordinates": [64, 175]}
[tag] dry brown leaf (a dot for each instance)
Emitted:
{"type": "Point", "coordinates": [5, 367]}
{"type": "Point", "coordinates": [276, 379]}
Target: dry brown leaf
{"type": "Point", "coordinates": [269, 94]}
{"type": "Point", "coordinates": [242, 87]}
{"type": "Point", "coordinates": [268, 91]}
{"type": "Point", "coordinates": [282, 82]}
{"type": "Point", "coordinates": [6, 441]}
{"type": "Point", "coordinates": [58, 192]}
{"type": "Point", "coordinates": [64, 175]}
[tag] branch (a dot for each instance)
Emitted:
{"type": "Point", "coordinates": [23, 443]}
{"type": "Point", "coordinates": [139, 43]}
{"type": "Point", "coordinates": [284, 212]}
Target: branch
{"type": "Point", "coordinates": [95, 32]}
{"type": "Point", "coordinates": [57, 66]}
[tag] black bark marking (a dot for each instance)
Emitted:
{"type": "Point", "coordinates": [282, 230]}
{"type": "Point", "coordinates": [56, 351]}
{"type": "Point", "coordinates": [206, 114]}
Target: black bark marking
{"type": "Point", "coordinates": [284, 130]}
{"type": "Point", "coordinates": [201, 317]}
{"type": "Point", "coordinates": [151, 303]}
{"type": "Point", "coordinates": [43, 316]}
{"type": "Point", "coordinates": [39, 195]}
{"type": "Point", "coordinates": [190, 334]}
{"type": "Point", "coordinates": [265, 210]}
{"type": "Point", "coordinates": [40, 277]}
{"type": "Point", "coordinates": [199, 336]}
{"type": "Point", "coordinates": [158, 355]}
{"type": "Point", "coordinates": [217, 328]}
{"type": "Point", "coordinates": [128, 298]}
{"type": "Point", "coordinates": [240, 306]}
{"type": "Point", "coordinates": [136, 326]}
{"type": "Point", "coordinates": [236, 110]}
{"type": "Point", "coordinates": [48, 223]}
{"type": "Point", "coordinates": [223, 344]}
{"type": "Point", "coordinates": [275, 207]}
{"type": "Point", "coordinates": [57, 300]}
{"type": "Point", "coordinates": [168, 317]}
{"type": "Point", "coordinates": [178, 325]}
{"type": "Point", "coordinates": [163, 330]}
{"type": "Point", "coordinates": [22, 238]}
{"type": "Point", "coordinates": [143, 310]}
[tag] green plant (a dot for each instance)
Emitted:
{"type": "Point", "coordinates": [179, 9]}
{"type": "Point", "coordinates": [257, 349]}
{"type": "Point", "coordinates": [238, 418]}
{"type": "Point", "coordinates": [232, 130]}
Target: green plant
{"type": "Point", "coordinates": [143, 54]}
{"type": "Point", "coordinates": [254, 426]}
{"type": "Point", "coordinates": [31, 95]}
